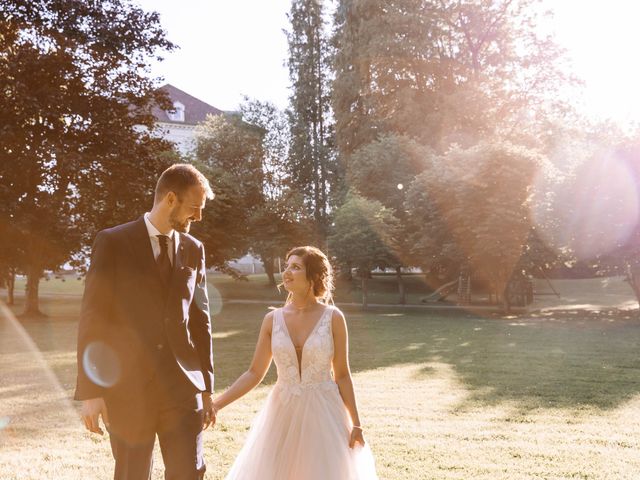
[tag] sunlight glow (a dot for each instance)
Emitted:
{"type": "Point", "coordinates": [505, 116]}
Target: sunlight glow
{"type": "Point", "coordinates": [601, 42]}
{"type": "Point", "coordinates": [593, 212]}
{"type": "Point", "coordinates": [228, 334]}
{"type": "Point", "coordinates": [33, 404]}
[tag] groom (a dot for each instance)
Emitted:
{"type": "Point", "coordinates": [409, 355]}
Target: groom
{"type": "Point", "coordinates": [145, 357]}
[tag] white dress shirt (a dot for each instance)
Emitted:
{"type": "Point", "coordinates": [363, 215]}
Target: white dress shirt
{"type": "Point", "coordinates": [174, 239]}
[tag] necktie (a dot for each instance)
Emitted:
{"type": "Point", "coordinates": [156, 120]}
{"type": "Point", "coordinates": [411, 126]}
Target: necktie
{"type": "Point", "coordinates": [164, 264]}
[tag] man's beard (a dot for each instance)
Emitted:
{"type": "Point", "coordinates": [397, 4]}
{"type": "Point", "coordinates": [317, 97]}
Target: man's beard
{"type": "Point", "coordinates": [176, 224]}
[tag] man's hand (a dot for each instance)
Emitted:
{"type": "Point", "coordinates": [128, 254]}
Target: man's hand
{"type": "Point", "coordinates": [91, 411]}
{"type": "Point", "coordinates": [209, 411]}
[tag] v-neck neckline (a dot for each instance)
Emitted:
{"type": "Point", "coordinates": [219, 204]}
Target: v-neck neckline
{"type": "Point", "coordinates": [313, 330]}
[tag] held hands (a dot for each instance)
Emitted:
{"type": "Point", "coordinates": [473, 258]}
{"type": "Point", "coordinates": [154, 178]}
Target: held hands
{"type": "Point", "coordinates": [210, 411]}
{"type": "Point", "coordinates": [94, 408]}
{"type": "Point", "coordinates": [91, 411]}
{"type": "Point", "coordinates": [356, 437]}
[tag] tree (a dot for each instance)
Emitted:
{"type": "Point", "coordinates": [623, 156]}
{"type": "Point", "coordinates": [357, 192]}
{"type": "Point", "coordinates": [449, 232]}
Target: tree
{"type": "Point", "coordinates": [441, 72]}
{"type": "Point", "coordinates": [482, 198]}
{"type": "Point", "coordinates": [428, 232]}
{"type": "Point", "coordinates": [275, 228]}
{"type": "Point", "coordinates": [383, 70]}
{"type": "Point", "coordinates": [279, 221]}
{"type": "Point", "coordinates": [363, 237]}
{"type": "Point", "coordinates": [276, 140]}
{"type": "Point", "coordinates": [75, 94]}
{"type": "Point", "coordinates": [230, 153]}
{"type": "Point", "coordinates": [312, 163]}
{"type": "Point", "coordinates": [11, 259]}
{"type": "Point", "coordinates": [381, 170]}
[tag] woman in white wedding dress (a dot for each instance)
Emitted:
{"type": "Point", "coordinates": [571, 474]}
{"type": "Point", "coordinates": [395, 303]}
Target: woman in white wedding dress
{"type": "Point", "coordinates": [309, 428]}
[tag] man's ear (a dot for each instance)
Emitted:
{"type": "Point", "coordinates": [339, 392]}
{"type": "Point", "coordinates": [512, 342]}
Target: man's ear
{"type": "Point", "coordinates": [171, 198]}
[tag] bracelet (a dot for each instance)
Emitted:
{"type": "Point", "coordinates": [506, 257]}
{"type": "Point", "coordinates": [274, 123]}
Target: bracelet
{"type": "Point", "coordinates": [358, 427]}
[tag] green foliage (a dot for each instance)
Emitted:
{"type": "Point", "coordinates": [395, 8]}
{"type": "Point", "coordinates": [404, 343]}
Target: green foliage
{"type": "Point", "coordinates": [383, 63]}
{"type": "Point", "coordinates": [229, 152]}
{"type": "Point", "coordinates": [442, 72]}
{"type": "Point", "coordinates": [472, 207]}
{"type": "Point", "coordinates": [276, 141]}
{"type": "Point", "coordinates": [464, 79]}
{"type": "Point", "coordinates": [279, 222]}
{"type": "Point", "coordinates": [312, 164]}
{"type": "Point", "coordinates": [382, 169]}
{"type": "Point", "coordinates": [363, 234]}
{"type": "Point", "coordinates": [74, 95]}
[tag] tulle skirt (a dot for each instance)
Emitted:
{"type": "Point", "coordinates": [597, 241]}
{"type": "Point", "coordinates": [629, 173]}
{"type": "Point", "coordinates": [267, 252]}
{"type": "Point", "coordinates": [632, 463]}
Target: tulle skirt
{"type": "Point", "coordinates": [302, 433]}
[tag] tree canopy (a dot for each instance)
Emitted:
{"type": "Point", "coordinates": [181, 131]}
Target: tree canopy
{"type": "Point", "coordinates": [75, 92]}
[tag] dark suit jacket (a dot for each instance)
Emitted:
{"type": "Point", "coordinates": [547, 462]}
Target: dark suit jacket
{"type": "Point", "coordinates": [129, 316]}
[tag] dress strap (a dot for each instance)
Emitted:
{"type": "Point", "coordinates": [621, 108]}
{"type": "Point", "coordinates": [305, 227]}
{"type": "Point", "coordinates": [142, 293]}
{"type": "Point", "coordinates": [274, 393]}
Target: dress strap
{"type": "Point", "coordinates": [328, 313]}
{"type": "Point", "coordinates": [277, 316]}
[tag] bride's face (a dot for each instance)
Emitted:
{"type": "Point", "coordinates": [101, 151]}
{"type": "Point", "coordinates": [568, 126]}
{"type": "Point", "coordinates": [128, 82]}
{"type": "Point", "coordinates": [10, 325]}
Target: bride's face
{"type": "Point", "coordinates": [295, 275]}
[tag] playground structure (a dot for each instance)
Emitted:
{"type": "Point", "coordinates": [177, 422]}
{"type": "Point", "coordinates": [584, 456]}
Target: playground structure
{"type": "Point", "coordinates": [520, 290]}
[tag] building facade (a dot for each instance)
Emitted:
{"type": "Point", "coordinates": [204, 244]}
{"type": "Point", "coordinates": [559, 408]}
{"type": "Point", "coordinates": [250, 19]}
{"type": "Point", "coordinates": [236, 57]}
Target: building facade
{"type": "Point", "coordinates": [179, 125]}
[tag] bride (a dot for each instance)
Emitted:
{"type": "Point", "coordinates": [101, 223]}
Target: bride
{"type": "Point", "coordinates": [309, 428]}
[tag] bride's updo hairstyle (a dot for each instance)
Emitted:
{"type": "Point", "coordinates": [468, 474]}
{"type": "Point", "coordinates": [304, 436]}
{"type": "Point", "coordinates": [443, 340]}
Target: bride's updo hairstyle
{"type": "Point", "coordinates": [319, 272]}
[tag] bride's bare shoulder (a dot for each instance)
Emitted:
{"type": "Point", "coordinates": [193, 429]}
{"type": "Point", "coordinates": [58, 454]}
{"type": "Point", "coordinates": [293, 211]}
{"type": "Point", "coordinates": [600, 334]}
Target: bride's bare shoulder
{"type": "Point", "coordinates": [337, 317]}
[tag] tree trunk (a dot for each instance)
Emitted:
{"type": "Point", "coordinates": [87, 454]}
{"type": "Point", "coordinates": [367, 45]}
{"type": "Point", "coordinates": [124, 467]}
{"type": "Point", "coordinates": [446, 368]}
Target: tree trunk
{"type": "Point", "coordinates": [633, 277]}
{"type": "Point", "coordinates": [269, 270]}
{"type": "Point", "coordinates": [506, 300]}
{"type": "Point", "coordinates": [401, 290]}
{"type": "Point", "coordinates": [11, 286]}
{"type": "Point", "coordinates": [365, 293]}
{"type": "Point", "coordinates": [348, 276]}
{"type": "Point", "coordinates": [32, 307]}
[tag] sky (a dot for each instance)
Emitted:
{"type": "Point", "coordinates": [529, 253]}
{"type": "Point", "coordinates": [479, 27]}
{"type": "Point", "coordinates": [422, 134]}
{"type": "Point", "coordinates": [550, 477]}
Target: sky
{"type": "Point", "coordinates": [601, 39]}
{"type": "Point", "coordinates": [235, 48]}
{"type": "Point", "coordinates": [228, 48]}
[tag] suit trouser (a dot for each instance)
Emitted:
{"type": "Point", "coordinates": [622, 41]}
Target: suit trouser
{"type": "Point", "coordinates": [169, 410]}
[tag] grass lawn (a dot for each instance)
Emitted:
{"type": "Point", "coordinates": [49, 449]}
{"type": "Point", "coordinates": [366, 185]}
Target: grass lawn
{"type": "Point", "coordinates": [383, 289]}
{"type": "Point", "coordinates": [551, 395]}
{"type": "Point", "coordinates": [586, 294]}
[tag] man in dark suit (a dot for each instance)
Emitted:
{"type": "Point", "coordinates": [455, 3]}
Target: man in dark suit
{"type": "Point", "coordinates": [145, 355]}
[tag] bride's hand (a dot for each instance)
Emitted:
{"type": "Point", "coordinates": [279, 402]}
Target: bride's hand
{"type": "Point", "coordinates": [356, 437]}
{"type": "Point", "coordinates": [210, 411]}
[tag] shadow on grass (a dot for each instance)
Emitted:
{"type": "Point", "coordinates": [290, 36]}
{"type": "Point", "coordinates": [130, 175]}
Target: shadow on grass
{"type": "Point", "coordinates": [567, 361]}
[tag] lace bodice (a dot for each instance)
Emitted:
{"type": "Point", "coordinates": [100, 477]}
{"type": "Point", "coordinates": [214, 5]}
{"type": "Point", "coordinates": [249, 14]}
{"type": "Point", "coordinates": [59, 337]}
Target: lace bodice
{"type": "Point", "coordinates": [317, 354]}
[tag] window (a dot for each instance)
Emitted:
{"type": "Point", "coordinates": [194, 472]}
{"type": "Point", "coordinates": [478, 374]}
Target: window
{"type": "Point", "coordinates": [177, 114]}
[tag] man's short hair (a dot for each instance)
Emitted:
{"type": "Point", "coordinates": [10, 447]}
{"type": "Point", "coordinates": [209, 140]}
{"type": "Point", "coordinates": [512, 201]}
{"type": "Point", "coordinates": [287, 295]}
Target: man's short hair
{"type": "Point", "coordinates": [179, 178]}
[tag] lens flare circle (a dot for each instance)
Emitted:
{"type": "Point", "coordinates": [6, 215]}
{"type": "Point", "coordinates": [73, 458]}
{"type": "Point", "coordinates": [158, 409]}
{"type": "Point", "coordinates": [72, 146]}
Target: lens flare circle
{"type": "Point", "coordinates": [4, 422]}
{"type": "Point", "coordinates": [590, 213]}
{"type": "Point", "coordinates": [215, 300]}
{"type": "Point", "coordinates": [101, 364]}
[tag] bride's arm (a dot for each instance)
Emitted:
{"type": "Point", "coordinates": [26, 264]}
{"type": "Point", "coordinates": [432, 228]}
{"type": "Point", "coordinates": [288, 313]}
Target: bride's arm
{"type": "Point", "coordinates": [257, 370]}
{"type": "Point", "coordinates": [342, 374]}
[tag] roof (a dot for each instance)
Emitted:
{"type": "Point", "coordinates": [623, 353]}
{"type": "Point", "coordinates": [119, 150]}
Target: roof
{"type": "Point", "coordinates": [195, 110]}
